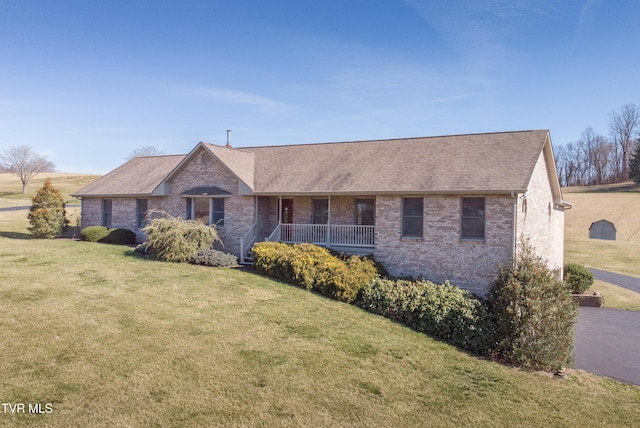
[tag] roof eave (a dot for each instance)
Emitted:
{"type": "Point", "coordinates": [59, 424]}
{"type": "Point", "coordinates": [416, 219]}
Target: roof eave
{"type": "Point", "coordinates": [393, 192]}
{"type": "Point", "coordinates": [113, 195]}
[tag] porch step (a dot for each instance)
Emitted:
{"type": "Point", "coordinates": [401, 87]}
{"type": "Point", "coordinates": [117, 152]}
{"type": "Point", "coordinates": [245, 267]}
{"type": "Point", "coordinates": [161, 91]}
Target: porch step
{"type": "Point", "coordinates": [248, 258]}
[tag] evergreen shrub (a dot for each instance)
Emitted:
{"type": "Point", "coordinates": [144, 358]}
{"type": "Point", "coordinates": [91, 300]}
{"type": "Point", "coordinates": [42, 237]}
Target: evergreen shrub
{"type": "Point", "coordinates": [214, 258]}
{"type": "Point", "coordinates": [577, 278]}
{"type": "Point", "coordinates": [173, 239]}
{"type": "Point", "coordinates": [313, 268]}
{"type": "Point", "coordinates": [441, 310]}
{"type": "Point", "coordinates": [533, 314]}
{"type": "Point", "coordinates": [47, 213]}
{"type": "Point", "coordinates": [119, 237]}
{"type": "Point", "coordinates": [93, 233]}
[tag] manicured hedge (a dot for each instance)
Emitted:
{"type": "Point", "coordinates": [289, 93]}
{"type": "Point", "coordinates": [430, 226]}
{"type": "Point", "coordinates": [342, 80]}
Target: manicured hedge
{"type": "Point", "coordinates": [314, 268]}
{"type": "Point", "coordinates": [441, 310]}
{"type": "Point", "coordinates": [119, 237]}
{"type": "Point", "coordinates": [577, 278]}
{"type": "Point", "coordinates": [93, 233]}
{"type": "Point", "coordinates": [108, 236]}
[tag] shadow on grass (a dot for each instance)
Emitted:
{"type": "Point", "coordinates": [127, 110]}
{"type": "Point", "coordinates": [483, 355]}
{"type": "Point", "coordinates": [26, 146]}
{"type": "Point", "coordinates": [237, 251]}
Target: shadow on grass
{"type": "Point", "coordinates": [15, 235]}
{"type": "Point", "coordinates": [132, 253]}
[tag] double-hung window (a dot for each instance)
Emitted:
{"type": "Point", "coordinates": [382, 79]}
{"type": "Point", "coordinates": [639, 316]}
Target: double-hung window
{"type": "Point", "coordinates": [473, 219]}
{"type": "Point", "coordinates": [412, 217]}
{"type": "Point", "coordinates": [217, 212]}
{"type": "Point", "coordinates": [365, 212]}
{"type": "Point", "coordinates": [142, 205]}
{"type": "Point", "coordinates": [320, 211]}
{"type": "Point", "coordinates": [107, 212]}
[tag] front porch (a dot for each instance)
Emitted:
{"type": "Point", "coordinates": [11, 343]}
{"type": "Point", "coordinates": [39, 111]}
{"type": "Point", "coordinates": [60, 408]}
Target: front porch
{"type": "Point", "coordinates": [341, 223]}
{"type": "Point", "coordinates": [328, 235]}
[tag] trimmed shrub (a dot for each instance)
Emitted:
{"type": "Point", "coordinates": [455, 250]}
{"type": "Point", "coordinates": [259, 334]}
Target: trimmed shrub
{"type": "Point", "coordinates": [174, 239]}
{"type": "Point", "coordinates": [533, 314]}
{"type": "Point", "coordinates": [577, 278]}
{"type": "Point", "coordinates": [47, 213]}
{"type": "Point", "coordinates": [313, 268]}
{"type": "Point", "coordinates": [93, 233]}
{"type": "Point", "coordinates": [441, 310]}
{"type": "Point", "coordinates": [119, 237]}
{"type": "Point", "coordinates": [214, 258]}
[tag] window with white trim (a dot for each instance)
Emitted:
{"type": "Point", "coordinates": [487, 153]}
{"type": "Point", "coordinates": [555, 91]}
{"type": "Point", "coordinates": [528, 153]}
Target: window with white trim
{"type": "Point", "coordinates": [209, 211]}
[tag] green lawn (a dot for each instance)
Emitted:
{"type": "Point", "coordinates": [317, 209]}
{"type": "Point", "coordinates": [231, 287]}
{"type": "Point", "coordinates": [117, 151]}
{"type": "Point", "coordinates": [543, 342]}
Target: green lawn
{"type": "Point", "coordinates": [107, 338]}
{"type": "Point", "coordinates": [111, 339]}
{"type": "Point", "coordinates": [619, 204]}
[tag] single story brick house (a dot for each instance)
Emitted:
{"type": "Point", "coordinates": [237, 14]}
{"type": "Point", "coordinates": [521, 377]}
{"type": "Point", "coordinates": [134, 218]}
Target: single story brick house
{"type": "Point", "coordinates": [443, 208]}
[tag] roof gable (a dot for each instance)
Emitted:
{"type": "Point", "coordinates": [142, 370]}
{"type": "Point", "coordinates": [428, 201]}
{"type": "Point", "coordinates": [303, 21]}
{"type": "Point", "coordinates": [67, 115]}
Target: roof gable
{"type": "Point", "coordinates": [238, 162]}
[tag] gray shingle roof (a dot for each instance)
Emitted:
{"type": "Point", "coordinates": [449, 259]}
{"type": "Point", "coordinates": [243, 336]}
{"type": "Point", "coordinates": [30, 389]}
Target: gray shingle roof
{"type": "Point", "coordinates": [138, 177]}
{"type": "Point", "coordinates": [475, 163]}
{"type": "Point", "coordinates": [497, 162]}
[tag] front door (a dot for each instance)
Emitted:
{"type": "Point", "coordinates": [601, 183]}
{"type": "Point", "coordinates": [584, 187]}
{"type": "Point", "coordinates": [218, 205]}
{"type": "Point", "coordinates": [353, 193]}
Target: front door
{"type": "Point", "coordinates": [287, 218]}
{"type": "Point", "coordinates": [287, 211]}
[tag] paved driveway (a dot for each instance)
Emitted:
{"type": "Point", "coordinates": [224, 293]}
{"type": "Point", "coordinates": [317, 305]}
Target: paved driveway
{"type": "Point", "coordinates": [625, 281]}
{"type": "Point", "coordinates": [607, 343]}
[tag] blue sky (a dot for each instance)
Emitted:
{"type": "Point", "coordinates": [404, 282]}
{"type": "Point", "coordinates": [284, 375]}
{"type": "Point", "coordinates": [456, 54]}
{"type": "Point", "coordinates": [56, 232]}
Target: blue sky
{"type": "Point", "coordinates": [86, 82]}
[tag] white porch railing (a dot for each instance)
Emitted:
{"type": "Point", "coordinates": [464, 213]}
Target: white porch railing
{"type": "Point", "coordinates": [324, 234]}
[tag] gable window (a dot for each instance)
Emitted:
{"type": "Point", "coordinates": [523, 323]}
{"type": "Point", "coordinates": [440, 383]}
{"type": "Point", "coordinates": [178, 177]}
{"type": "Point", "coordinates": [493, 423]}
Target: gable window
{"type": "Point", "coordinates": [365, 212]}
{"type": "Point", "coordinates": [320, 211]}
{"type": "Point", "coordinates": [107, 212]}
{"type": "Point", "coordinates": [472, 219]}
{"type": "Point", "coordinates": [207, 210]}
{"type": "Point", "coordinates": [142, 205]}
{"type": "Point", "coordinates": [412, 217]}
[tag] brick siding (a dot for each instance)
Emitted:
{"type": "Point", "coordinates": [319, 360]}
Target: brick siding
{"type": "Point", "coordinates": [539, 220]}
{"type": "Point", "coordinates": [440, 254]}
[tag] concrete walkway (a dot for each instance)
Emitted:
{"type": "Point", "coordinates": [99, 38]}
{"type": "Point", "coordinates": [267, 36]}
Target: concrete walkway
{"type": "Point", "coordinates": [607, 343]}
{"type": "Point", "coordinates": [625, 281]}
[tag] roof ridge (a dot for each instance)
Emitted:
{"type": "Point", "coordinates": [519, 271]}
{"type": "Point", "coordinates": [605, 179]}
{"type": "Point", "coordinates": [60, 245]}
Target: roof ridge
{"type": "Point", "coordinates": [391, 139]}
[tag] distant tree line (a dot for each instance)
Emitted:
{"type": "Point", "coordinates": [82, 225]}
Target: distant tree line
{"type": "Point", "coordinates": [598, 159]}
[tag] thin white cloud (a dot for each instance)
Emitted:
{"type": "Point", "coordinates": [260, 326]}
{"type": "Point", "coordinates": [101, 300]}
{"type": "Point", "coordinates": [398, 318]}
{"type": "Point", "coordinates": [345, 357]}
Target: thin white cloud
{"type": "Point", "coordinates": [263, 103]}
{"type": "Point", "coordinates": [586, 20]}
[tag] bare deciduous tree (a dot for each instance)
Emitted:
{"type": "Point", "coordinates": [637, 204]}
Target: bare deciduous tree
{"type": "Point", "coordinates": [624, 127]}
{"type": "Point", "coordinates": [25, 163]}
{"type": "Point", "coordinates": [144, 151]}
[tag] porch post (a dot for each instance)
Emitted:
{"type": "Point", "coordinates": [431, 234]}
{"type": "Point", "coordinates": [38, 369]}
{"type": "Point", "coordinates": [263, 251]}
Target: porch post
{"type": "Point", "coordinates": [279, 226]}
{"type": "Point", "coordinates": [329, 222]}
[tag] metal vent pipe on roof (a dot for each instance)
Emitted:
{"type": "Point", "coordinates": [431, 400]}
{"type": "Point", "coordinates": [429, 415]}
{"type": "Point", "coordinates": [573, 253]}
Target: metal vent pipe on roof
{"type": "Point", "coordinates": [228, 138]}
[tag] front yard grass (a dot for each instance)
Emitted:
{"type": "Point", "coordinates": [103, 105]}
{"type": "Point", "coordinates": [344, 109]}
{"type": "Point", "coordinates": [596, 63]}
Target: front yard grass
{"type": "Point", "coordinates": [112, 339]}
